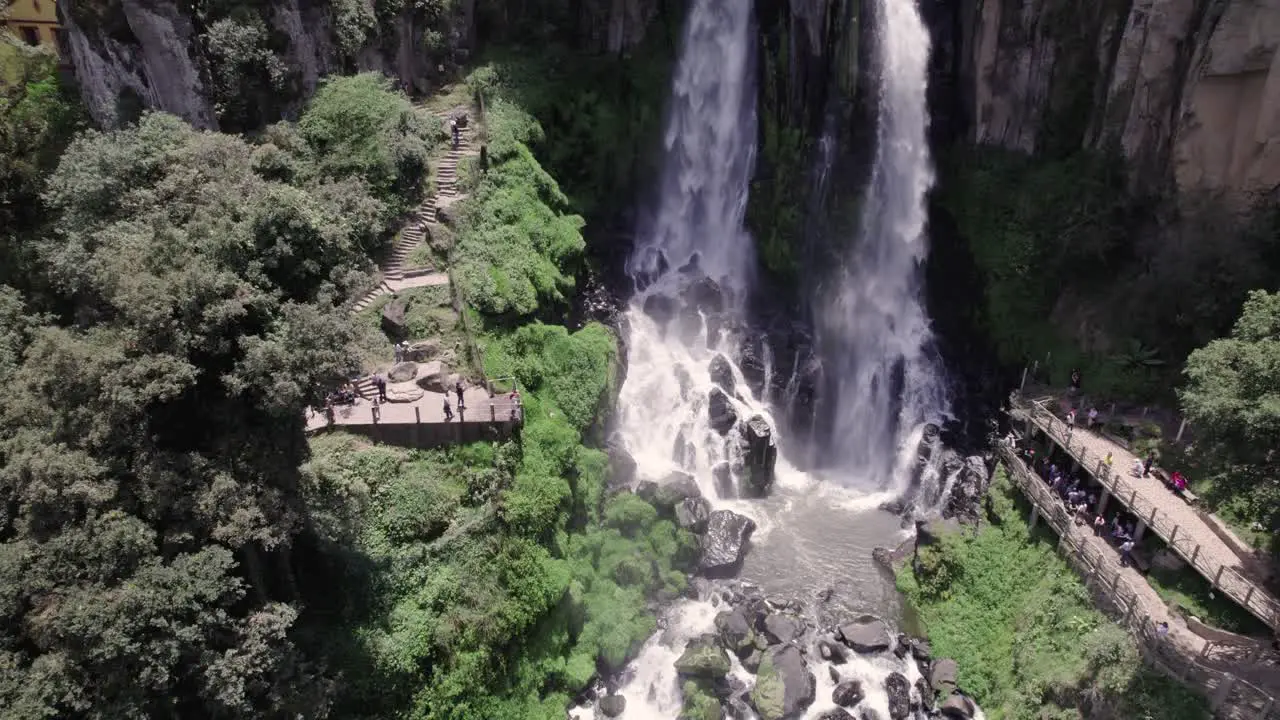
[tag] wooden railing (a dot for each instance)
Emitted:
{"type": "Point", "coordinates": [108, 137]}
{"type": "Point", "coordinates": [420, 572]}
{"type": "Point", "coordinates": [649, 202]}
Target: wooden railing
{"type": "Point", "coordinates": [1248, 593]}
{"type": "Point", "coordinates": [1229, 695]}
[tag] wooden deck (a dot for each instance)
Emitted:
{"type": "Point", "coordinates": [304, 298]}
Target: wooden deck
{"type": "Point", "coordinates": [1186, 530]}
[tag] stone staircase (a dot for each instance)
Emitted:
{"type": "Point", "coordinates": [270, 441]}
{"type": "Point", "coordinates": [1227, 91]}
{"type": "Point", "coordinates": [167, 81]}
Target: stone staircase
{"type": "Point", "coordinates": [395, 276]}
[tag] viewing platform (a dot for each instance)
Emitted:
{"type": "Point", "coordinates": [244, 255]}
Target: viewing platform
{"type": "Point", "coordinates": [1237, 674]}
{"type": "Point", "coordinates": [1187, 530]}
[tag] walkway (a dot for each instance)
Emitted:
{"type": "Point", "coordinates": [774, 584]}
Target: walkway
{"type": "Point", "coordinates": [429, 409]}
{"type": "Point", "coordinates": [425, 222]}
{"type": "Point", "coordinates": [1238, 687]}
{"type": "Point", "coordinates": [1181, 527]}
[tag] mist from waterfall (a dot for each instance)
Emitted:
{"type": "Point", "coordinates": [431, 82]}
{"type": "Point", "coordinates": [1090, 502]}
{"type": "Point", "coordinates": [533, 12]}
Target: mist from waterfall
{"type": "Point", "coordinates": [883, 377]}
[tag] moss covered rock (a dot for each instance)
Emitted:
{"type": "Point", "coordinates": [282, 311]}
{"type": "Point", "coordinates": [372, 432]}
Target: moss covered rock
{"type": "Point", "coordinates": [703, 659]}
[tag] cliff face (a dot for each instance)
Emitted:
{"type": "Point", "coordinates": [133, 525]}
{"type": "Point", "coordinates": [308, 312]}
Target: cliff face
{"type": "Point", "coordinates": [235, 65]}
{"type": "Point", "coordinates": [1187, 90]}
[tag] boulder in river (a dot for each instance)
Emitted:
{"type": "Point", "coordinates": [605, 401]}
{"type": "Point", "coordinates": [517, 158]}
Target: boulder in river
{"type": "Point", "coordinates": [784, 686]}
{"type": "Point", "coordinates": [866, 634]}
{"type": "Point", "coordinates": [780, 628]}
{"type": "Point", "coordinates": [835, 714]}
{"type": "Point", "coordinates": [613, 705]}
{"type": "Point", "coordinates": [721, 372]}
{"type": "Point", "coordinates": [661, 308]}
{"type": "Point", "coordinates": [703, 659]}
{"type": "Point", "coordinates": [736, 633]}
{"type": "Point", "coordinates": [704, 295]}
{"type": "Point", "coordinates": [725, 543]}
{"type": "Point", "coordinates": [958, 707]}
{"type": "Point", "coordinates": [721, 411]}
{"type": "Point", "coordinates": [674, 489]}
{"type": "Point", "coordinates": [898, 689]}
{"type": "Point", "coordinates": [751, 662]}
{"type": "Point", "coordinates": [847, 694]}
{"type": "Point", "coordinates": [762, 454]}
{"type": "Point", "coordinates": [943, 675]}
{"type": "Point", "coordinates": [925, 692]}
{"type": "Point", "coordinates": [692, 514]}
{"type": "Point", "coordinates": [831, 652]}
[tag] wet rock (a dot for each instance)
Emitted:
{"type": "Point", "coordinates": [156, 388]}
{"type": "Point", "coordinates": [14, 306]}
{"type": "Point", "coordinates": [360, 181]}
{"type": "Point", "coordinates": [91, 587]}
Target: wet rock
{"type": "Point", "coordinates": [613, 705]}
{"type": "Point", "coordinates": [736, 632]}
{"type": "Point", "coordinates": [682, 451]}
{"type": "Point", "coordinates": [920, 650]}
{"type": "Point", "coordinates": [866, 634]}
{"type": "Point", "coordinates": [926, 694]}
{"type": "Point", "coordinates": [723, 476]}
{"type": "Point", "coordinates": [833, 674]}
{"type": "Point", "coordinates": [831, 652]}
{"type": "Point", "coordinates": [692, 514]}
{"type": "Point", "coordinates": [958, 706]}
{"type": "Point", "coordinates": [622, 466]}
{"type": "Point", "coordinates": [784, 686]}
{"type": "Point", "coordinates": [684, 380]}
{"type": "Point", "coordinates": [725, 543]}
{"type": "Point", "coordinates": [675, 489]}
{"type": "Point", "coordinates": [434, 377]}
{"type": "Point", "coordinates": [867, 713]}
{"type": "Point", "coordinates": [836, 714]}
{"type": "Point", "coordinates": [704, 295]}
{"type": "Point", "coordinates": [901, 646]}
{"type": "Point", "coordinates": [779, 628]}
{"type": "Point", "coordinates": [753, 659]}
{"type": "Point", "coordinates": [761, 456]}
{"type": "Point", "coordinates": [847, 694]}
{"type": "Point", "coordinates": [721, 372]}
{"type": "Point", "coordinates": [393, 319]}
{"type": "Point", "coordinates": [703, 659]}
{"type": "Point", "coordinates": [661, 308]}
{"type": "Point", "coordinates": [898, 689]}
{"type": "Point", "coordinates": [943, 675]}
{"type": "Point", "coordinates": [751, 364]}
{"type": "Point", "coordinates": [721, 411]}
{"type": "Point", "coordinates": [402, 372]}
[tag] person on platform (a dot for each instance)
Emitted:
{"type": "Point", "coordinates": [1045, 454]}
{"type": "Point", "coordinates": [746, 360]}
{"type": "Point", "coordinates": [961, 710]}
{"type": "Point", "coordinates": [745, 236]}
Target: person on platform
{"type": "Point", "coordinates": [448, 411]}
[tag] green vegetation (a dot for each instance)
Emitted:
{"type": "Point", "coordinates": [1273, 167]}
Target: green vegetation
{"type": "Point", "coordinates": [1061, 243]}
{"type": "Point", "coordinates": [1023, 628]}
{"type": "Point", "coordinates": [1232, 399]}
{"type": "Point", "coordinates": [518, 247]}
{"type": "Point", "coordinates": [1187, 589]}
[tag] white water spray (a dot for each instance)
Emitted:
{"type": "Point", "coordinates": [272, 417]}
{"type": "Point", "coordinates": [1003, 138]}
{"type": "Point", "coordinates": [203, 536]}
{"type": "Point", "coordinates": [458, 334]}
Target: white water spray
{"type": "Point", "coordinates": [875, 336]}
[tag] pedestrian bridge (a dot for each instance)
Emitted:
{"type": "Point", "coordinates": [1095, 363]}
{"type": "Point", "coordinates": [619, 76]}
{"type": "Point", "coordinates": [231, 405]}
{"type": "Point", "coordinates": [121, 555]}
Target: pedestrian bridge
{"type": "Point", "coordinates": [1187, 531]}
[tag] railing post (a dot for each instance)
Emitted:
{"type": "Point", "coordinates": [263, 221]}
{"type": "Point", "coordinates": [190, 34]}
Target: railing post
{"type": "Point", "coordinates": [1216, 578]}
{"type": "Point", "coordinates": [1195, 554]}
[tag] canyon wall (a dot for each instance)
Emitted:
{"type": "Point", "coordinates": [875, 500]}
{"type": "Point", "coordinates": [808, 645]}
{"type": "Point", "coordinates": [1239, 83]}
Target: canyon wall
{"type": "Point", "coordinates": [1187, 90]}
{"type": "Point", "coordinates": [233, 65]}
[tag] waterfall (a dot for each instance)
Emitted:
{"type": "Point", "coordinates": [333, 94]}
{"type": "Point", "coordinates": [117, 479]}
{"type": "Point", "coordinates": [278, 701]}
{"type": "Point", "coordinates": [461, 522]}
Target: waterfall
{"type": "Point", "coordinates": [883, 377]}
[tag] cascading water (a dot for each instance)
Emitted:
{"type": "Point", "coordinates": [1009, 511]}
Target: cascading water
{"type": "Point", "coordinates": [884, 381]}
{"type": "Point", "coordinates": [687, 411]}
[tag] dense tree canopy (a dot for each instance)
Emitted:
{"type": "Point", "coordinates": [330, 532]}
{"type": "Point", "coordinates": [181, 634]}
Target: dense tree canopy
{"type": "Point", "coordinates": [1232, 398]}
{"type": "Point", "coordinates": [187, 309]}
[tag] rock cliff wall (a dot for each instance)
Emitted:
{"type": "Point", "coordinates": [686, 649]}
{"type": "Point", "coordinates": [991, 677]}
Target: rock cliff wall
{"type": "Point", "coordinates": [1187, 90]}
{"type": "Point", "coordinates": [234, 64]}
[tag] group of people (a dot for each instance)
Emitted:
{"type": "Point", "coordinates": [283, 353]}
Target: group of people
{"type": "Point", "coordinates": [1081, 501]}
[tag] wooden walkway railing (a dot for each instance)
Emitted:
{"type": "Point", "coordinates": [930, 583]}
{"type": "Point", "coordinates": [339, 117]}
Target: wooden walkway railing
{"type": "Point", "coordinates": [1229, 695]}
{"type": "Point", "coordinates": [1243, 590]}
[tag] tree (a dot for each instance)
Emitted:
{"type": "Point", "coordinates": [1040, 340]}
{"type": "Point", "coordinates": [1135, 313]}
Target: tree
{"type": "Point", "coordinates": [1232, 399]}
{"type": "Point", "coordinates": [1232, 396]}
{"type": "Point", "coordinates": [152, 430]}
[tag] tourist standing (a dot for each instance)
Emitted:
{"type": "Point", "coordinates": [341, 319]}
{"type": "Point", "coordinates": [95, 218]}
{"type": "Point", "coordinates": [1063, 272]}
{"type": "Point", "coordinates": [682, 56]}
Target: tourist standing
{"type": "Point", "coordinates": [1093, 417]}
{"type": "Point", "coordinates": [381, 383]}
{"type": "Point", "coordinates": [1148, 463]}
{"type": "Point", "coordinates": [457, 387]}
{"type": "Point", "coordinates": [1126, 552]}
{"type": "Point", "coordinates": [448, 411]}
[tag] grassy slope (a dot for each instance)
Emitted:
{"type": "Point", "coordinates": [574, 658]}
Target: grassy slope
{"type": "Point", "coordinates": [1021, 625]}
